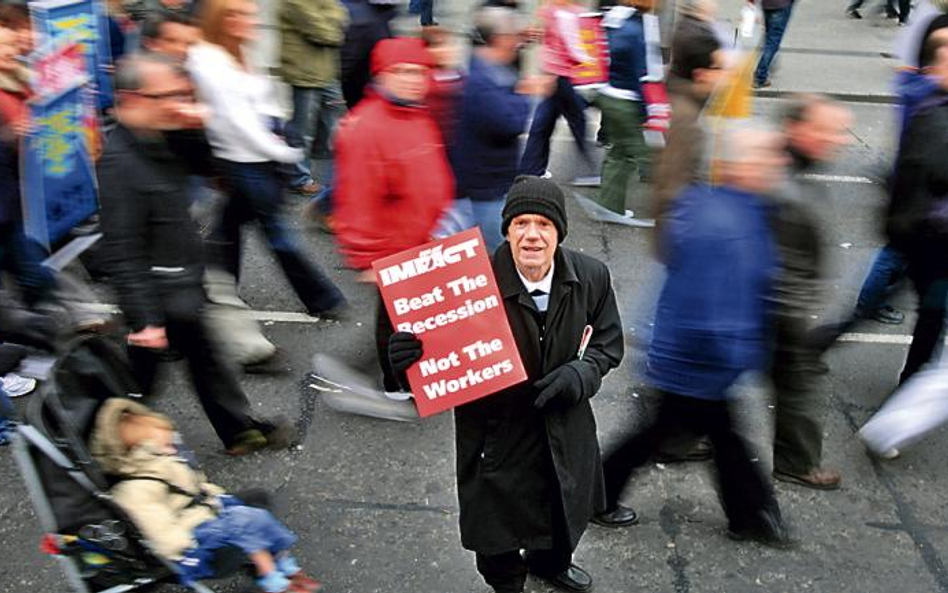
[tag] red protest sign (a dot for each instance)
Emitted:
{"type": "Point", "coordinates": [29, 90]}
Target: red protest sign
{"type": "Point", "coordinates": [445, 293]}
{"type": "Point", "coordinates": [593, 41]}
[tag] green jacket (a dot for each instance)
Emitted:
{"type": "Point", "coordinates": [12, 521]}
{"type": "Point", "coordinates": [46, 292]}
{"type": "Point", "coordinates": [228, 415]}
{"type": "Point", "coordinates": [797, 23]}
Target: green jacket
{"type": "Point", "coordinates": [312, 32]}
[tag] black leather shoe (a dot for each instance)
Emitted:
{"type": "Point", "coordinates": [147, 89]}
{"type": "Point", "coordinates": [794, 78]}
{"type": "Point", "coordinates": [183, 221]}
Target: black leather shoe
{"type": "Point", "coordinates": [619, 517]}
{"type": "Point", "coordinates": [573, 578]}
{"type": "Point", "coordinates": [771, 531]}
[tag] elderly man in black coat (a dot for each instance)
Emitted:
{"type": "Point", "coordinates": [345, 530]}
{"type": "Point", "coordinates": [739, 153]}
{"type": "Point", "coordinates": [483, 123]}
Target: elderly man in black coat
{"type": "Point", "coordinates": [528, 464]}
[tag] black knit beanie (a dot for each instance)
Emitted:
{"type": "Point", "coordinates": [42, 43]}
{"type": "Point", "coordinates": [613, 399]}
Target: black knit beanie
{"type": "Point", "coordinates": [533, 195]}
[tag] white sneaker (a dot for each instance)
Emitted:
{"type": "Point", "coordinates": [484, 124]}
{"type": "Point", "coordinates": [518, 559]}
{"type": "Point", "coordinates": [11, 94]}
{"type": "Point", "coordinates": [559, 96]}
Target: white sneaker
{"type": "Point", "coordinates": [399, 396]}
{"type": "Point", "coordinates": [546, 175]}
{"type": "Point", "coordinates": [889, 454]}
{"type": "Point", "coordinates": [16, 386]}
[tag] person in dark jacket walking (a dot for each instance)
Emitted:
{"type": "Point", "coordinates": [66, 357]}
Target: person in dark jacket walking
{"type": "Point", "coordinates": [494, 109]}
{"type": "Point", "coordinates": [815, 129]}
{"type": "Point", "coordinates": [368, 24]}
{"type": "Point", "coordinates": [528, 466]}
{"type": "Point", "coordinates": [710, 328]}
{"type": "Point", "coordinates": [153, 245]}
{"type": "Point", "coordinates": [917, 221]}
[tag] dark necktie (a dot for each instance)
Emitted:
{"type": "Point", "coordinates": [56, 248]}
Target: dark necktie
{"type": "Point", "coordinates": [540, 299]}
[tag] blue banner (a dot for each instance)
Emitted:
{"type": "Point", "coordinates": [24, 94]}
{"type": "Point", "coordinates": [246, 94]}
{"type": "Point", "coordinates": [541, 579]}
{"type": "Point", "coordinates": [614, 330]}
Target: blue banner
{"type": "Point", "coordinates": [59, 185]}
{"type": "Point", "coordinates": [84, 21]}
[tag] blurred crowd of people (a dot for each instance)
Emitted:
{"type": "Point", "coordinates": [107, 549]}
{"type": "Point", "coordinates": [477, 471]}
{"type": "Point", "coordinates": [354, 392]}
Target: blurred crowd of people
{"type": "Point", "coordinates": [432, 134]}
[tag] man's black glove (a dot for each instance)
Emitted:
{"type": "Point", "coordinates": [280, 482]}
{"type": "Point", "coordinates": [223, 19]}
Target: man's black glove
{"type": "Point", "coordinates": [404, 349]}
{"type": "Point", "coordinates": [563, 384]}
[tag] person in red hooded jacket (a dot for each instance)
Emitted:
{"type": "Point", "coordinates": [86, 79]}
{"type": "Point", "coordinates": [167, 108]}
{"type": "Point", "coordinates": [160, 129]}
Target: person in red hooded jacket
{"type": "Point", "coordinates": [393, 178]}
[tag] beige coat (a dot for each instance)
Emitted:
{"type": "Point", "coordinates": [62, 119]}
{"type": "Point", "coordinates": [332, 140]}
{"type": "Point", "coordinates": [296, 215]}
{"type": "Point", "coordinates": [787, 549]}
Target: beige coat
{"type": "Point", "coordinates": [166, 518]}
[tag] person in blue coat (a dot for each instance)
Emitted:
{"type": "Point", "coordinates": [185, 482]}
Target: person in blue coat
{"type": "Point", "coordinates": [493, 112]}
{"type": "Point", "coordinates": [712, 326]}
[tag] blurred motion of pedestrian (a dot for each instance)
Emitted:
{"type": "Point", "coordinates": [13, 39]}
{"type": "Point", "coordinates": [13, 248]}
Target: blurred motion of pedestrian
{"type": "Point", "coordinates": [561, 52]}
{"type": "Point", "coordinates": [425, 10]}
{"type": "Point", "coordinates": [368, 24]}
{"type": "Point", "coordinates": [153, 246]}
{"type": "Point", "coordinates": [494, 112]}
{"type": "Point", "coordinates": [917, 219]}
{"type": "Point", "coordinates": [140, 10]}
{"type": "Point", "coordinates": [697, 66]}
{"type": "Point", "coordinates": [244, 130]}
{"type": "Point", "coordinates": [171, 34]}
{"type": "Point", "coordinates": [776, 19]}
{"type": "Point", "coordinates": [815, 128]}
{"type": "Point", "coordinates": [711, 327]}
{"type": "Point", "coordinates": [19, 255]}
{"type": "Point", "coordinates": [887, 8]}
{"type": "Point", "coordinates": [447, 81]}
{"type": "Point", "coordinates": [621, 102]}
{"type": "Point", "coordinates": [311, 33]}
{"type": "Point", "coordinates": [16, 16]}
{"type": "Point", "coordinates": [393, 180]}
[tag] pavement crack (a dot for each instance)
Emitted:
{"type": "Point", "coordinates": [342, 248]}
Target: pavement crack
{"type": "Point", "coordinates": [903, 509]}
{"type": "Point", "coordinates": [307, 409]}
{"type": "Point", "coordinates": [669, 523]}
{"type": "Point", "coordinates": [383, 506]}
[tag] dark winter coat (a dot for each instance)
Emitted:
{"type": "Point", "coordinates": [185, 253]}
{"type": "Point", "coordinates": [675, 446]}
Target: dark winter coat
{"type": "Point", "coordinates": [368, 24]}
{"type": "Point", "coordinates": [918, 211]}
{"type": "Point", "coordinates": [627, 64]}
{"type": "Point", "coordinates": [492, 116]}
{"type": "Point", "coordinates": [150, 238]}
{"type": "Point", "coordinates": [515, 462]}
{"type": "Point", "coordinates": [796, 229]}
{"type": "Point", "coordinates": [712, 316]}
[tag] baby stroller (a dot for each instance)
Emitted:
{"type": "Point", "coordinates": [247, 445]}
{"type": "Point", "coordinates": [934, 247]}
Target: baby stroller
{"type": "Point", "coordinates": [97, 545]}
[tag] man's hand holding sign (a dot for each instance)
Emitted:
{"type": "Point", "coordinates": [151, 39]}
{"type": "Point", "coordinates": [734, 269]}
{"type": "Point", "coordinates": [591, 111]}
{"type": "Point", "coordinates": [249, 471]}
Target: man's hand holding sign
{"type": "Point", "coordinates": [444, 303]}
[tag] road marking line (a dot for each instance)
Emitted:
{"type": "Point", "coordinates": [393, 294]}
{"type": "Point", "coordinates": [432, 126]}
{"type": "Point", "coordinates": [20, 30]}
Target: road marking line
{"type": "Point", "coordinates": [876, 338]}
{"type": "Point", "coordinates": [839, 178]}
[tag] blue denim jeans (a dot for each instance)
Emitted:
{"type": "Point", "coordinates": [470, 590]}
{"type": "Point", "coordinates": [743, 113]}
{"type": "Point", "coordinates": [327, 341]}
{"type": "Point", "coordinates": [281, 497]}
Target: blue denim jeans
{"type": "Point", "coordinates": [887, 270]}
{"type": "Point", "coordinates": [425, 8]}
{"type": "Point", "coordinates": [316, 111]}
{"type": "Point", "coordinates": [250, 529]}
{"type": "Point", "coordinates": [6, 413]}
{"type": "Point", "coordinates": [488, 216]}
{"type": "Point", "coordinates": [564, 101]}
{"type": "Point", "coordinates": [23, 258]}
{"type": "Point", "coordinates": [256, 194]}
{"type": "Point", "coordinates": [775, 24]}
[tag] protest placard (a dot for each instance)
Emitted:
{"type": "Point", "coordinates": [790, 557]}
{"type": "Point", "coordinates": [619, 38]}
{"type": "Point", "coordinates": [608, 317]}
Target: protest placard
{"type": "Point", "coordinates": [59, 185]}
{"type": "Point", "coordinates": [445, 293]}
{"type": "Point", "coordinates": [85, 22]}
{"type": "Point", "coordinates": [57, 177]}
{"type": "Point", "coordinates": [593, 41]}
{"type": "Point", "coordinates": [57, 67]}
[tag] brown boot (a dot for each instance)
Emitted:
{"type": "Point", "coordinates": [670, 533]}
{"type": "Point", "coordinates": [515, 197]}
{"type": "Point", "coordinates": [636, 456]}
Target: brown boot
{"type": "Point", "coordinates": [817, 478]}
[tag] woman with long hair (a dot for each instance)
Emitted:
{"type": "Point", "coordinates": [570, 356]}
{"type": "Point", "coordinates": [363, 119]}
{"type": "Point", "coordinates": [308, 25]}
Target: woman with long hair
{"type": "Point", "coordinates": [244, 131]}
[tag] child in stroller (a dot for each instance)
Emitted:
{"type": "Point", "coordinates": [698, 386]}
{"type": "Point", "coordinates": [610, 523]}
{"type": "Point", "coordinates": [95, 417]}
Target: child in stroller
{"type": "Point", "coordinates": [185, 518]}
